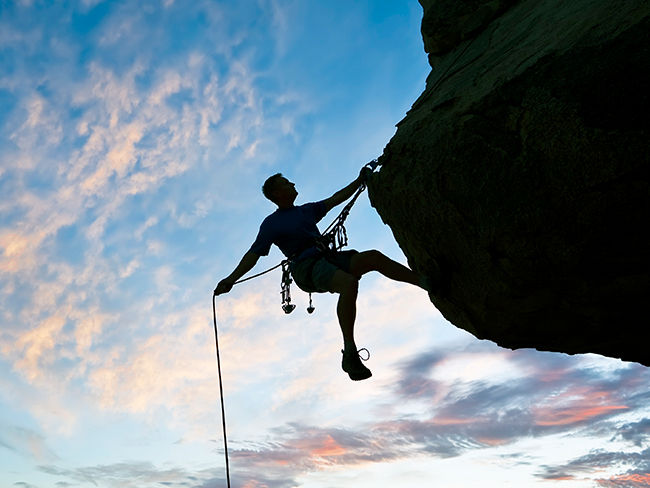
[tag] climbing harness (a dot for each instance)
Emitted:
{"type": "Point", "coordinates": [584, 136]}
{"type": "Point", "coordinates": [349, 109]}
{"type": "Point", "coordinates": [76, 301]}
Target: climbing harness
{"type": "Point", "coordinates": [334, 238]}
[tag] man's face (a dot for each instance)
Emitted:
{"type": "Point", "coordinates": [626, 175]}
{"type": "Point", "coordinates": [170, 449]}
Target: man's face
{"type": "Point", "coordinates": [285, 189]}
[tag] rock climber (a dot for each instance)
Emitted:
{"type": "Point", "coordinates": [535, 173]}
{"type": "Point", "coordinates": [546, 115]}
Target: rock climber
{"type": "Point", "coordinates": [315, 268]}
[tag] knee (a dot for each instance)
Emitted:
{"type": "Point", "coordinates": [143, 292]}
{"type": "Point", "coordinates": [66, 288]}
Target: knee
{"type": "Point", "coordinates": [374, 256]}
{"type": "Point", "coordinates": [371, 260]}
{"type": "Point", "coordinates": [345, 283]}
{"type": "Point", "coordinates": [350, 283]}
{"type": "Point", "coordinates": [365, 262]}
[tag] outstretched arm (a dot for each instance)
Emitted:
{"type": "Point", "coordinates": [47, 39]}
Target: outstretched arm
{"type": "Point", "coordinates": [245, 265]}
{"type": "Point", "coordinates": [343, 194]}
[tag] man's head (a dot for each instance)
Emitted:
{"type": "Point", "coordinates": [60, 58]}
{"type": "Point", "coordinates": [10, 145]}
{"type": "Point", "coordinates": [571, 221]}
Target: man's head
{"type": "Point", "coordinates": [279, 190]}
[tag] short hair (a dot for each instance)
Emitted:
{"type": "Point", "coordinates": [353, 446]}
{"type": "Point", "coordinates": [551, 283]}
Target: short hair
{"type": "Point", "coordinates": [269, 186]}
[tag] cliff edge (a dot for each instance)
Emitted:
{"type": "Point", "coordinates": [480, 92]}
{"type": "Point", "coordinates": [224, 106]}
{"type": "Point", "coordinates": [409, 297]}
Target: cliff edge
{"type": "Point", "coordinates": [523, 167]}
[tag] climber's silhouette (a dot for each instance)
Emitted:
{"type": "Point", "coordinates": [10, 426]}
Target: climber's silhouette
{"type": "Point", "coordinates": [315, 268]}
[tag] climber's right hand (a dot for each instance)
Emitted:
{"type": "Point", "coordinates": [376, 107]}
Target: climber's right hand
{"type": "Point", "coordinates": [224, 286]}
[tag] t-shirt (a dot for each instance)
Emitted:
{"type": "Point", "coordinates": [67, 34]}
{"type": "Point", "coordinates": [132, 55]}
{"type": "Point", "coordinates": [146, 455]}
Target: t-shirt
{"type": "Point", "coordinates": [293, 230]}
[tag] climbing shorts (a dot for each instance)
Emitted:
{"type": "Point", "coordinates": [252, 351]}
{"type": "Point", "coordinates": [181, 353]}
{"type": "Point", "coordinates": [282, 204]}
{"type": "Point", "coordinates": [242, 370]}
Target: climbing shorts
{"type": "Point", "coordinates": [314, 274]}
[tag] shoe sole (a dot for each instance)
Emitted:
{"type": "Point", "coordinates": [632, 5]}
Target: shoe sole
{"type": "Point", "coordinates": [360, 377]}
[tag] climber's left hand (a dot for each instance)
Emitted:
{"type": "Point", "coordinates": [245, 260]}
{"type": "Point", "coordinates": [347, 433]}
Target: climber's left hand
{"type": "Point", "coordinates": [364, 174]}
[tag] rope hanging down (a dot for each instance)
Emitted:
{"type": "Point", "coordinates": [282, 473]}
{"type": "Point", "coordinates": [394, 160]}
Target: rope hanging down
{"type": "Point", "coordinates": [223, 408]}
{"type": "Point", "coordinates": [333, 238]}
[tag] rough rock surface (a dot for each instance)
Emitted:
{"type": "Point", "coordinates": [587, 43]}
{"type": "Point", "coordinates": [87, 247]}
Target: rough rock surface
{"type": "Point", "coordinates": [523, 167]}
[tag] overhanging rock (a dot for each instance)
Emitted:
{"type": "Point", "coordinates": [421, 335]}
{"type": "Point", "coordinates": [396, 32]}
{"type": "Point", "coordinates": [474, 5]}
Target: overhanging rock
{"type": "Point", "coordinates": [524, 166]}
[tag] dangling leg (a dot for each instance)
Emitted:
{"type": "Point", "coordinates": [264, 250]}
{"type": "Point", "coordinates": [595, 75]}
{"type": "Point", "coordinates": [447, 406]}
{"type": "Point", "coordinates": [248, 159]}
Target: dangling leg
{"type": "Point", "coordinates": [347, 286]}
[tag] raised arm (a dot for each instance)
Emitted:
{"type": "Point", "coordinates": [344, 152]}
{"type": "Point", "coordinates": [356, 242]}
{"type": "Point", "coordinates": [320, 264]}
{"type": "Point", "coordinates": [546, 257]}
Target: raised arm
{"type": "Point", "coordinates": [344, 193]}
{"type": "Point", "coordinates": [245, 265]}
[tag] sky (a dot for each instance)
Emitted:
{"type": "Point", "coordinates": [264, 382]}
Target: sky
{"type": "Point", "coordinates": [135, 137]}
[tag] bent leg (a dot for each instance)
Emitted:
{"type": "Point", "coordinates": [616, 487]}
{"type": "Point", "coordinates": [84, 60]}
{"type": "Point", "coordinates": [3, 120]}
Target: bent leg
{"type": "Point", "coordinates": [374, 260]}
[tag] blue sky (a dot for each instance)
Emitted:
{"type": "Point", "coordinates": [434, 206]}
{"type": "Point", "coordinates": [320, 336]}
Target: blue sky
{"type": "Point", "coordinates": [135, 138]}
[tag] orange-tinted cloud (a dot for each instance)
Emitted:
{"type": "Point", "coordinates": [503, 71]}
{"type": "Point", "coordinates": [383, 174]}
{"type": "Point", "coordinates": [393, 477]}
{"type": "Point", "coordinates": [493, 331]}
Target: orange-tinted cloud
{"type": "Point", "coordinates": [329, 447]}
{"type": "Point", "coordinates": [575, 406]}
{"type": "Point", "coordinates": [490, 441]}
{"type": "Point", "coordinates": [454, 421]}
{"type": "Point", "coordinates": [638, 480]}
{"type": "Point", "coordinates": [319, 446]}
{"type": "Point", "coordinates": [254, 484]}
{"type": "Point", "coordinates": [573, 415]}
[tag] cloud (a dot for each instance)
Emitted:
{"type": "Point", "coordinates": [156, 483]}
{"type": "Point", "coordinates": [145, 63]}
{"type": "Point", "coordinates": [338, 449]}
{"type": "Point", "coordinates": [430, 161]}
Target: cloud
{"type": "Point", "coordinates": [636, 433]}
{"type": "Point", "coordinates": [298, 449]}
{"type": "Point", "coordinates": [629, 480]}
{"type": "Point", "coordinates": [24, 484]}
{"type": "Point", "coordinates": [26, 442]}
{"type": "Point", "coordinates": [133, 474]}
{"type": "Point", "coordinates": [576, 406]}
{"type": "Point", "coordinates": [36, 345]}
{"type": "Point", "coordinates": [630, 469]}
{"type": "Point", "coordinates": [414, 381]}
{"type": "Point", "coordinates": [41, 126]}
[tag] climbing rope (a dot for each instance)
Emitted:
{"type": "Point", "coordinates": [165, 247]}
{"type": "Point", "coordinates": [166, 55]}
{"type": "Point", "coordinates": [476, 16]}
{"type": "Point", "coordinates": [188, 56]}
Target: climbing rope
{"type": "Point", "coordinates": [333, 238]}
{"type": "Point", "coordinates": [223, 408]}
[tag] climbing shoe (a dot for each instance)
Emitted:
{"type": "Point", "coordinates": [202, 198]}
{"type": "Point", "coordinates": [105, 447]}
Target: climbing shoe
{"type": "Point", "coordinates": [353, 366]}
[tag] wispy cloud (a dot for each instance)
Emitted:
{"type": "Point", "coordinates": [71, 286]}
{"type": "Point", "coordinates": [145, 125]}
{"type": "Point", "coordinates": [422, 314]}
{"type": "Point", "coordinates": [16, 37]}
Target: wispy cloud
{"type": "Point", "coordinates": [118, 132]}
{"type": "Point", "coordinates": [127, 474]}
{"type": "Point", "coordinates": [26, 442]}
{"type": "Point", "coordinates": [629, 469]}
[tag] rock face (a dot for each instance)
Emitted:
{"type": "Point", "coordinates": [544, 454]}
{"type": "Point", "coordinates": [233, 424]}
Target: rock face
{"type": "Point", "coordinates": [523, 167]}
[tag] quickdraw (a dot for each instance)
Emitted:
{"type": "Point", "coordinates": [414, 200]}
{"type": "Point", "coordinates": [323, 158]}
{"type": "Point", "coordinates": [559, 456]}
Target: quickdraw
{"type": "Point", "coordinates": [287, 306]}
